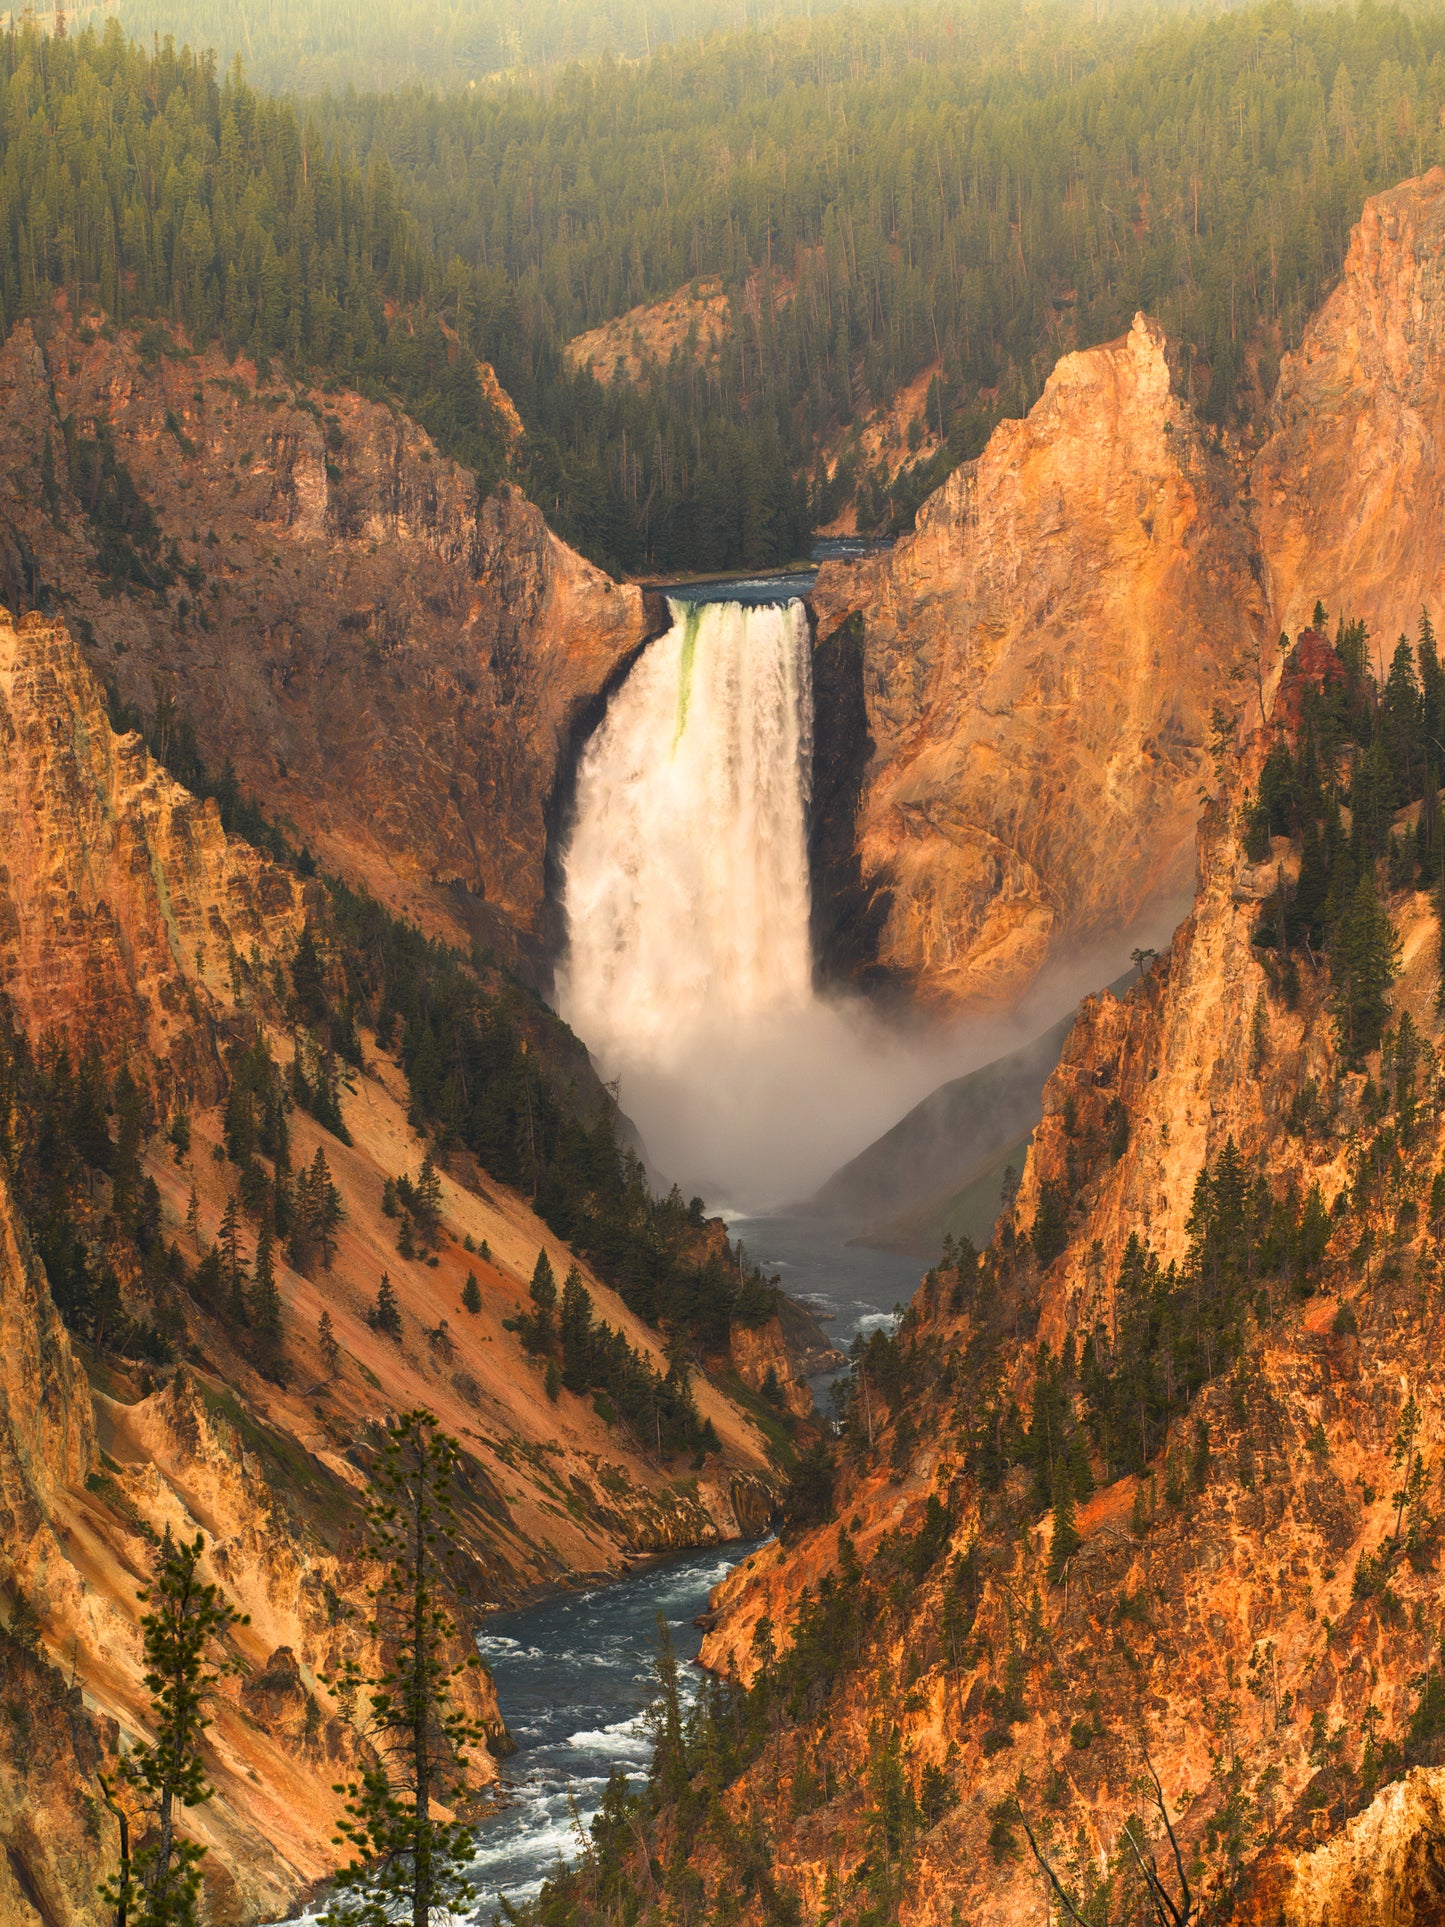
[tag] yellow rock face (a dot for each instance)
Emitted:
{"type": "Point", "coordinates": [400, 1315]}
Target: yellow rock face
{"type": "Point", "coordinates": [1349, 489]}
{"type": "Point", "coordinates": [121, 899]}
{"type": "Point", "coordinates": [1040, 661]}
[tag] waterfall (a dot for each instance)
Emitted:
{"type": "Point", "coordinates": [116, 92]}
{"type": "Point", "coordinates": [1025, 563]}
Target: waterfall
{"type": "Point", "coordinates": [685, 883]}
{"type": "Point", "coordinates": [687, 969]}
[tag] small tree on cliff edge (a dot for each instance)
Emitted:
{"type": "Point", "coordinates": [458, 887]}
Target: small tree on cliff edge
{"type": "Point", "coordinates": [407, 1863]}
{"type": "Point", "coordinates": [161, 1886]}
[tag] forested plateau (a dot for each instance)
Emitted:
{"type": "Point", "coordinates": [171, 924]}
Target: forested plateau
{"type": "Point", "coordinates": [914, 203]}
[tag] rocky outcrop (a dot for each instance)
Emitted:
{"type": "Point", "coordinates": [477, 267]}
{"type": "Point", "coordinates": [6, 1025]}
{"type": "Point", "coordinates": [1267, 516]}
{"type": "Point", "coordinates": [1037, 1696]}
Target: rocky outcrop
{"type": "Point", "coordinates": [761, 1358]}
{"type": "Point", "coordinates": [1349, 487]}
{"type": "Point", "coordinates": [47, 1440]}
{"type": "Point", "coordinates": [1039, 661]}
{"type": "Point", "coordinates": [1387, 1868]}
{"type": "Point", "coordinates": [51, 1855]}
{"type": "Point", "coordinates": [394, 667]}
{"type": "Point", "coordinates": [124, 908]}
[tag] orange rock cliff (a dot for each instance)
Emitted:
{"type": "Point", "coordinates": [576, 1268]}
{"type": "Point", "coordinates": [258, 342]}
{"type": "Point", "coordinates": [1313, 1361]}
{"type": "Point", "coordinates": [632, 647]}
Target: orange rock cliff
{"type": "Point", "coordinates": [132, 926]}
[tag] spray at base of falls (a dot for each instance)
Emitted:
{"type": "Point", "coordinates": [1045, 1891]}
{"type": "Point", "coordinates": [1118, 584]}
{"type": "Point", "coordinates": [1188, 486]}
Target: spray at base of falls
{"type": "Point", "coordinates": [688, 968]}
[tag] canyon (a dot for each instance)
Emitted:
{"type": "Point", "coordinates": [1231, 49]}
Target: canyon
{"type": "Point", "coordinates": [1218, 1622]}
{"type": "Point", "coordinates": [1015, 713]}
{"type": "Point", "coordinates": [133, 924]}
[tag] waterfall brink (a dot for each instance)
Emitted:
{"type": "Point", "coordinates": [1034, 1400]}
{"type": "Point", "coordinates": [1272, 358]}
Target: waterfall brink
{"type": "Point", "coordinates": [686, 879]}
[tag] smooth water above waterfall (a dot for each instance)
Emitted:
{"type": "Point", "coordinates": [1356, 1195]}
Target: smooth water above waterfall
{"type": "Point", "coordinates": [688, 969]}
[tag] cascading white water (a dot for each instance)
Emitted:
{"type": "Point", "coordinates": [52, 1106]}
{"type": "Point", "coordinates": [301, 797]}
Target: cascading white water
{"type": "Point", "coordinates": [686, 880]}
{"type": "Point", "coordinates": [688, 968]}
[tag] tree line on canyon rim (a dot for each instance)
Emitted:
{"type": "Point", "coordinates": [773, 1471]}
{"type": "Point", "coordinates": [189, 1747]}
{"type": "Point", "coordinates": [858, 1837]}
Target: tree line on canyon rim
{"type": "Point", "coordinates": [374, 45]}
{"type": "Point", "coordinates": [1354, 784]}
{"type": "Point", "coordinates": [879, 194]}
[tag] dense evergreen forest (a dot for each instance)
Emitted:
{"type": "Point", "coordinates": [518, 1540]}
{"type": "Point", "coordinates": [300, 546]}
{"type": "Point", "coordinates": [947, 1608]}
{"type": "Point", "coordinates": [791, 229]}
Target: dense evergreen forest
{"type": "Point", "coordinates": [880, 193]}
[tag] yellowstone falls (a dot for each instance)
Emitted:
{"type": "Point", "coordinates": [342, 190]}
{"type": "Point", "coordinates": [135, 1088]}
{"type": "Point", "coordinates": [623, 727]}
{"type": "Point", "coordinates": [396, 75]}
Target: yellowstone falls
{"type": "Point", "coordinates": [688, 967]}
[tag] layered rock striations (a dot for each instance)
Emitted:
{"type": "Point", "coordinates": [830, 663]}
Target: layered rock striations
{"type": "Point", "coordinates": [1039, 661]}
{"type": "Point", "coordinates": [123, 905]}
{"type": "Point", "coordinates": [393, 666]}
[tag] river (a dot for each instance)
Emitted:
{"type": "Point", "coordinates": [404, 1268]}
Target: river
{"type": "Point", "coordinates": [575, 1674]}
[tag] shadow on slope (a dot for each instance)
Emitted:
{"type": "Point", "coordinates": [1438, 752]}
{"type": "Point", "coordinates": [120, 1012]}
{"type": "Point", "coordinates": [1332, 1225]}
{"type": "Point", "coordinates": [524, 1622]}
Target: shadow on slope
{"type": "Point", "coordinates": [941, 1166]}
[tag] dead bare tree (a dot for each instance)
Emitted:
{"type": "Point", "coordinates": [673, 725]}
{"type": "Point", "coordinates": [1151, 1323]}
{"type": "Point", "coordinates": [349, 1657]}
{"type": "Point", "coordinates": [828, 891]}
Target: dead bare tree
{"type": "Point", "coordinates": [1168, 1912]}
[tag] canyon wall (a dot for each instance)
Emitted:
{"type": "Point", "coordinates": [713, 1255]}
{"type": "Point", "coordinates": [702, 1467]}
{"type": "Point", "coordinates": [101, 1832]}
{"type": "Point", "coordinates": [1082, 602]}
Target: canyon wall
{"type": "Point", "coordinates": [1250, 1617]}
{"type": "Point", "coordinates": [123, 905]}
{"type": "Point", "coordinates": [1349, 487]}
{"type": "Point", "coordinates": [395, 668]}
{"type": "Point", "coordinates": [131, 923]}
{"type": "Point", "coordinates": [1039, 662]}
{"type": "Point", "coordinates": [1212, 1622]}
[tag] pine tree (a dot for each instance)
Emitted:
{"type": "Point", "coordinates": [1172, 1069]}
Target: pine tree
{"type": "Point", "coordinates": [1364, 955]}
{"type": "Point", "coordinates": [385, 1314]}
{"type": "Point", "coordinates": [471, 1293]}
{"type": "Point", "coordinates": [326, 1207]}
{"type": "Point", "coordinates": [161, 1886]}
{"type": "Point", "coordinates": [407, 1862]}
{"type": "Point", "coordinates": [131, 1124]}
{"type": "Point", "coordinates": [544, 1282]}
{"type": "Point", "coordinates": [427, 1204]}
{"type": "Point", "coordinates": [308, 978]}
{"type": "Point", "coordinates": [233, 1269]}
{"type": "Point", "coordinates": [326, 1341]}
{"type": "Point", "coordinates": [1065, 1541]}
{"type": "Point", "coordinates": [541, 1328]}
{"type": "Point", "coordinates": [576, 1332]}
{"type": "Point", "coordinates": [266, 1299]}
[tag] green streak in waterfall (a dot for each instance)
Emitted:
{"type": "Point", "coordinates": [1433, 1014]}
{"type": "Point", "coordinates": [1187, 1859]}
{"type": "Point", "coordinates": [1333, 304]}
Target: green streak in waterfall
{"type": "Point", "coordinates": [691, 621]}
